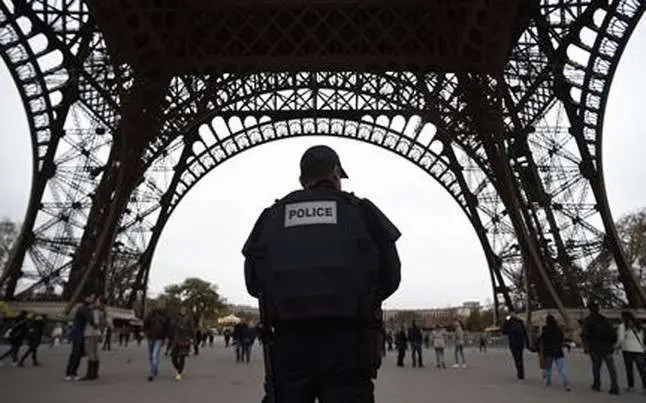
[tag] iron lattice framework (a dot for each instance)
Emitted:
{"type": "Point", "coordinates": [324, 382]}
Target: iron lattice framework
{"type": "Point", "coordinates": [123, 126]}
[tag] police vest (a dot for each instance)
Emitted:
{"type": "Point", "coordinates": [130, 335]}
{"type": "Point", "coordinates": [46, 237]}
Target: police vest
{"type": "Point", "coordinates": [318, 259]}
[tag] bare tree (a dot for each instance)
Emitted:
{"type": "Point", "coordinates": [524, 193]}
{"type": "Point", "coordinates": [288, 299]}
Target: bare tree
{"type": "Point", "coordinates": [8, 234]}
{"type": "Point", "coordinates": [631, 229]}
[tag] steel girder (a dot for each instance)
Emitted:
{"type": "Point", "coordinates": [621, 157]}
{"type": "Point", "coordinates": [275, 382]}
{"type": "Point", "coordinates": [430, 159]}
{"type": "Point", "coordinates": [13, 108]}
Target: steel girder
{"type": "Point", "coordinates": [61, 76]}
{"type": "Point", "coordinates": [563, 219]}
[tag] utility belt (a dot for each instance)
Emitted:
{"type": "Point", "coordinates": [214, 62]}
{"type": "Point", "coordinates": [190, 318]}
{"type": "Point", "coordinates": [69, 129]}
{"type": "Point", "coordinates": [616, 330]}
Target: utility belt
{"type": "Point", "coordinates": [369, 336]}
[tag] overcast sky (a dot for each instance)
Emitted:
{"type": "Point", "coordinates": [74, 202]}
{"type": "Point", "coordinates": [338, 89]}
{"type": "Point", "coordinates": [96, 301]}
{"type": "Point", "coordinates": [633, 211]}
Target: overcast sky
{"type": "Point", "coordinates": [442, 261]}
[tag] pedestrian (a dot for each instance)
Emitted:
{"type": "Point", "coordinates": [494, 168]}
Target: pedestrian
{"type": "Point", "coordinates": [107, 338]}
{"type": "Point", "coordinates": [82, 318]}
{"type": "Point", "coordinates": [599, 340]}
{"type": "Point", "coordinates": [227, 337]}
{"type": "Point", "coordinates": [516, 333]}
{"type": "Point", "coordinates": [92, 339]}
{"type": "Point", "coordinates": [182, 332]}
{"type": "Point", "coordinates": [483, 343]}
{"type": "Point", "coordinates": [415, 339]}
{"type": "Point", "coordinates": [238, 334]}
{"type": "Point", "coordinates": [438, 335]}
{"type": "Point", "coordinates": [401, 344]}
{"type": "Point", "coordinates": [34, 338]}
{"type": "Point", "coordinates": [156, 329]}
{"type": "Point", "coordinates": [630, 340]}
{"type": "Point", "coordinates": [248, 338]}
{"type": "Point", "coordinates": [17, 335]}
{"type": "Point", "coordinates": [321, 261]}
{"type": "Point", "coordinates": [197, 339]}
{"type": "Point", "coordinates": [551, 344]}
{"type": "Point", "coordinates": [459, 346]}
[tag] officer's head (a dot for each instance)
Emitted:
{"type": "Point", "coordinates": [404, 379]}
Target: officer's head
{"type": "Point", "coordinates": [321, 163]}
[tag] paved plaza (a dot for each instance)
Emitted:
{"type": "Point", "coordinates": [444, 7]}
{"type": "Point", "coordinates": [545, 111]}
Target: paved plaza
{"type": "Point", "coordinates": [213, 376]}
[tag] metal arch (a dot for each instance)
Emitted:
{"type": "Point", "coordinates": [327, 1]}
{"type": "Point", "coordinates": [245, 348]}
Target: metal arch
{"type": "Point", "coordinates": [443, 167]}
{"type": "Point", "coordinates": [35, 92]}
{"type": "Point", "coordinates": [259, 92]}
{"type": "Point", "coordinates": [586, 112]}
{"type": "Point", "coordinates": [47, 232]}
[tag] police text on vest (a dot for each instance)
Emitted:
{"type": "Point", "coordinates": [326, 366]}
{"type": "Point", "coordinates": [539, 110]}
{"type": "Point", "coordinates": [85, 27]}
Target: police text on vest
{"type": "Point", "coordinates": [309, 213]}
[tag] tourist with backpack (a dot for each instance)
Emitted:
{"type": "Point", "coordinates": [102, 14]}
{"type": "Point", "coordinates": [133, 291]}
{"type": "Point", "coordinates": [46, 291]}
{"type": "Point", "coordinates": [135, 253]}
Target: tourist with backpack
{"type": "Point", "coordinates": [156, 328]}
{"type": "Point", "coordinates": [599, 339]}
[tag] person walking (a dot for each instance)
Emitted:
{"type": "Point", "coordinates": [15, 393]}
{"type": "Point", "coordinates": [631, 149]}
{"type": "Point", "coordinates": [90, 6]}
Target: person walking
{"type": "Point", "coordinates": [92, 339]}
{"type": "Point", "coordinates": [483, 343]}
{"type": "Point", "coordinates": [182, 332]}
{"type": "Point", "coordinates": [630, 340]}
{"type": "Point", "coordinates": [107, 338]}
{"type": "Point", "coordinates": [516, 333]}
{"type": "Point", "coordinates": [34, 338]}
{"type": "Point", "coordinates": [321, 261]}
{"type": "Point", "coordinates": [401, 344]}
{"type": "Point", "coordinates": [248, 338]}
{"type": "Point", "coordinates": [459, 346]}
{"type": "Point", "coordinates": [551, 344]}
{"type": "Point", "coordinates": [415, 339]}
{"type": "Point", "coordinates": [156, 329]}
{"type": "Point", "coordinates": [599, 340]}
{"type": "Point", "coordinates": [17, 334]}
{"type": "Point", "coordinates": [82, 318]}
{"type": "Point", "coordinates": [438, 335]}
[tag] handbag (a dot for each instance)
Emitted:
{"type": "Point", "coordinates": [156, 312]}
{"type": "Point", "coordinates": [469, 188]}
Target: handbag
{"type": "Point", "coordinates": [640, 358]}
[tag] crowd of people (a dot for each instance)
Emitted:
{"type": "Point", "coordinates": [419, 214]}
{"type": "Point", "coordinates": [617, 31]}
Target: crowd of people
{"type": "Point", "coordinates": [89, 332]}
{"type": "Point", "coordinates": [600, 340]}
{"type": "Point", "coordinates": [89, 327]}
{"type": "Point", "coordinates": [414, 339]}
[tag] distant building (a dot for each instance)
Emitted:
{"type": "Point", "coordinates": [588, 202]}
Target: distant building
{"type": "Point", "coordinates": [467, 307]}
{"type": "Point", "coordinates": [429, 318]}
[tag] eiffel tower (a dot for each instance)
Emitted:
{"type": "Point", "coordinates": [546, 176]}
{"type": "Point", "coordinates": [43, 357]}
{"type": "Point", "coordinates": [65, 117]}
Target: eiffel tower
{"type": "Point", "coordinates": [131, 103]}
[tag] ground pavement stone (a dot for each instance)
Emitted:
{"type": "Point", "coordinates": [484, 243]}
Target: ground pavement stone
{"type": "Point", "coordinates": [213, 376]}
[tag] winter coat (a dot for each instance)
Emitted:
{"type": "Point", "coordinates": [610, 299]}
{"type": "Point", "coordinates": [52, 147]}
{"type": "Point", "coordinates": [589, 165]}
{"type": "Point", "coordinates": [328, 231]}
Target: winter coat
{"type": "Point", "coordinates": [551, 342]}
{"type": "Point", "coordinates": [181, 334]}
{"type": "Point", "coordinates": [516, 333]}
{"type": "Point", "coordinates": [439, 338]}
{"type": "Point", "coordinates": [629, 339]}
{"type": "Point", "coordinates": [598, 335]}
{"type": "Point", "coordinates": [157, 325]}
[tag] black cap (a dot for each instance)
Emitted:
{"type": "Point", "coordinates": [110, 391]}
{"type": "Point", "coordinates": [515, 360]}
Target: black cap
{"type": "Point", "coordinates": [320, 160]}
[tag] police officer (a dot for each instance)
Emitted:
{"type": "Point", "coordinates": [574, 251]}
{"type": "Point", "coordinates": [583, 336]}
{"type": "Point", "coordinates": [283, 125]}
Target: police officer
{"type": "Point", "coordinates": [321, 261]}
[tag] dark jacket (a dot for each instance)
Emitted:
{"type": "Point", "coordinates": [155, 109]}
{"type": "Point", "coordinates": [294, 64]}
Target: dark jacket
{"type": "Point", "coordinates": [82, 318]}
{"type": "Point", "coordinates": [382, 231]}
{"type": "Point", "coordinates": [182, 333]}
{"type": "Point", "coordinates": [516, 333]}
{"type": "Point", "coordinates": [19, 330]}
{"type": "Point", "coordinates": [551, 341]}
{"type": "Point", "coordinates": [248, 335]}
{"type": "Point", "coordinates": [157, 325]}
{"type": "Point", "coordinates": [414, 335]}
{"type": "Point", "coordinates": [598, 334]}
{"type": "Point", "coordinates": [401, 340]}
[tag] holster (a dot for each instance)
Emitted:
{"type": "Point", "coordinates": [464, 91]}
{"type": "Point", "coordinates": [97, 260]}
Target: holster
{"type": "Point", "coordinates": [371, 344]}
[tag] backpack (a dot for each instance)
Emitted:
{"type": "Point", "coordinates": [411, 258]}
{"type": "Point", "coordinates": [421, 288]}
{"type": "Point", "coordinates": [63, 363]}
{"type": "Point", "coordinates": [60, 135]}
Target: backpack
{"type": "Point", "coordinates": [605, 332]}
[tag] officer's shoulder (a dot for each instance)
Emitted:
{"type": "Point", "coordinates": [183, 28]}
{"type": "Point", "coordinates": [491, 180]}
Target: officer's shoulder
{"type": "Point", "coordinates": [351, 197]}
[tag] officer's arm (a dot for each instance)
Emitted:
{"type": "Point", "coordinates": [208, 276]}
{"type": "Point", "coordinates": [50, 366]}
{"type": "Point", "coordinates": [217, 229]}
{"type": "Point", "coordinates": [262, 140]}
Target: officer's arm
{"type": "Point", "coordinates": [251, 278]}
{"type": "Point", "coordinates": [385, 234]}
